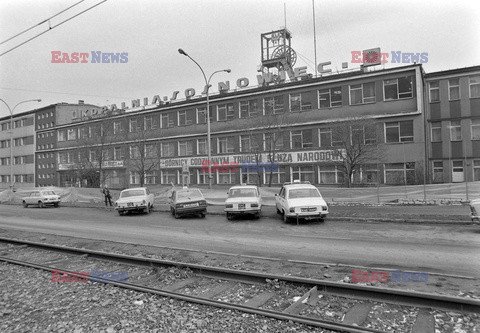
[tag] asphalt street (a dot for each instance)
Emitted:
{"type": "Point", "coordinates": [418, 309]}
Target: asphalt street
{"type": "Point", "coordinates": [447, 248]}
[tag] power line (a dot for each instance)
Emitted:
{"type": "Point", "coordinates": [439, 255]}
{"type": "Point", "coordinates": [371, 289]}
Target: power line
{"type": "Point", "coordinates": [50, 28]}
{"type": "Point", "coordinates": [36, 25]}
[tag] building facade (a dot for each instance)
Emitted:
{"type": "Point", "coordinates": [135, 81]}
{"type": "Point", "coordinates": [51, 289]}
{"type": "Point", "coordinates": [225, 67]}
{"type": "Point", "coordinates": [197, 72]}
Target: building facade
{"type": "Point", "coordinates": [22, 165]}
{"type": "Point", "coordinates": [453, 117]}
{"type": "Point", "coordinates": [289, 125]}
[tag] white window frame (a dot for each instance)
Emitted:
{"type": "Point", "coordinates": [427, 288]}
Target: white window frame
{"type": "Point", "coordinates": [436, 129]}
{"type": "Point", "coordinates": [362, 88]}
{"type": "Point", "coordinates": [470, 84]}
{"type": "Point", "coordinates": [455, 127]}
{"type": "Point", "coordinates": [430, 89]}
{"type": "Point", "coordinates": [475, 129]}
{"type": "Point", "coordinates": [450, 86]}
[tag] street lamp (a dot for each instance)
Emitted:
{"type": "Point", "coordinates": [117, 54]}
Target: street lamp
{"type": "Point", "coordinates": [11, 134]}
{"type": "Point", "coordinates": [207, 114]}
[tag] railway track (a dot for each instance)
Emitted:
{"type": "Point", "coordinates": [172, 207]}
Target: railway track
{"type": "Point", "coordinates": [306, 301]}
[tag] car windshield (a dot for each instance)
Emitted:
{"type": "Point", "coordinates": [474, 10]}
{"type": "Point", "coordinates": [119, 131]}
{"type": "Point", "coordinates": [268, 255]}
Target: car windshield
{"type": "Point", "coordinates": [131, 193]}
{"type": "Point", "coordinates": [242, 192]}
{"type": "Point", "coordinates": [303, 193]}
{"type": "Point", "coordinates": [188, 193]}
{"type": "Point", "coordinates": [48, 193]}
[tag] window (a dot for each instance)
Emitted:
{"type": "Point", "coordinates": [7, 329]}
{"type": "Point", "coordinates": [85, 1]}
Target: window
{"type": "Point", "coordinates": [201, 119]}
{"type": "Point", "coordinates": [436, 131]}
{"type": "Point", "coordinates": [301, 139]}
{"type": "Point", "coordinates": [273, 141]}
{"type": "Point", "coordinates": [17, 123]}
{"type": "Point", "coordinates": [71, 134]}
{"type": "Point", "coordinates": [92, 156]}
{"type": "Point", "coordinates": [133, 125]}
{"type": "Point", "coordinates": [225, 145]}
{"type": "Point", "coordinates": [226, 177]}
{"type": "Point", "coordinates": [304, 173]}
{"type": "Point", "coordinates": [184, 118]}
{"type": "Point", "coordinates": [453, 89]}
{"type": "Point", "coordinates": [245, 144]}
{"type": "Point", "coordinates": [273, 105]}
{"type": "Point", "coordinates": [399, 131]}
{"type": "Point", "coordinates": [185, 148]}
{"type": "Point", "coordinates": [400, 173]}
{"type": "Point", "coordinates": [325, 137]}
{"type": "Point", "coordinates": [19, 160]}
{"type": "Point", "coordinates": [455, 130]}
{"type": "Point", "coordinates": [476, 129]}
{"type": "Point", "coordinates": [225, 112]}
{"type": "Point", "coordinates": [362, 93]}
{"type": "Point", "coordinates": [438, 172]}
{"type": "Point", "coordinates": [397, 88]}
{"type": "Point", "coordinates": [118, 154]}
{"type": "Point", "coordinates": [18, 142]}
{"type": "Point", "coordinates": [150, 177]}
{"type": "Point", "coordinates": [297, 103]}
{"type": "Point", "coordinates": [330, 98]}
{"type": "Point", "coordinates": [134, 177]}
{"type": "Point", "coordinates": [167, 121]}
{"type": "Point", "coordinates": [168, 149]}
{"type": "Point", "coordinates": [5, 144]}
{"type": "Point", "coordinates": [248, 108]}
{"type": "Point", "coordinates": [5, 161]}
{"type": "Point", "coordinates": [434, 91]}
{"type": "Point", "coordinates": [5, 126]}
{"type": "Point", "coordinates": [201, 146]}
{"type": "Point", "coordinates": [474, 86]}
{"type": "Point", "coordinates": [476, 170]}
{"type": "Point", "coordinates": [168, 177]}
{"type": "Point", "coordinates": [134, 152]}
{"type": "Point", "coordinates": [150, 122]}
{"type": "Point", "coordinates": [117, 127]}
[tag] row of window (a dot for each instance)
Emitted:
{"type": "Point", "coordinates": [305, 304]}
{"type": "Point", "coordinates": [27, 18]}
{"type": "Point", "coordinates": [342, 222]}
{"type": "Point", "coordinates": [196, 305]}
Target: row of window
{"type": "Point", "coordinates": [395, 132]}
{"type": "Point", "coordinates": [455, 127]}
{"type": "Point", "coordinates": [457, 171]}
{"type": "Point", "coordinates": [28, 178]}
{"type": "Point", "coordinates": [454, 89]}
{"type": "Point", "coordinates": [17, 123]}
{"type": "Point", "coordinates": [45, 115]}
{"type": "Point", "coordinates": [17, 142]}
{"type": "Point", "coordinates": [17, 160]}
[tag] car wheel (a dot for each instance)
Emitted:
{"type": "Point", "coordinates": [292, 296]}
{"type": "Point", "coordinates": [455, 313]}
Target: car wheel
{"type": "Point", "coordinates": [278, 211]}
{"type": "Point", "coordinates": [202, 215]}
{"type": "Point", "coordinates": [147, 210]}
{"type": "Point", "coordinates": [257, 216]}
{"type": "Point", "coordinates": [120, 212]}
{"type": "Point", "coordinates": [25, 204]}
{"type": "Point", "coordinates": [55, 204]}
{"type": "Point", "coordinates": [41, 204]}
{"type": "Point", "coordinates": [176, 214]}
{"type": "Point", "coordinates": [285, 218]}
{"type": "Point", "coordinates": [229, 216]}
{"type": "Point", "coordinates": [172, 210]}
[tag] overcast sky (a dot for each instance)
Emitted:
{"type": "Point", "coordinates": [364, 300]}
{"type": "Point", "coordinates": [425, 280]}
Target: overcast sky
{"type": "Point", "coordinates": [216, 33]}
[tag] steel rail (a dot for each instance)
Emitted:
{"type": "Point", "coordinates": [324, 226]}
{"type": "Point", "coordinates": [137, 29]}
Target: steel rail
{"type": "Point", "coordinates": [204, 301]}
{"type": "Point", "coordinates": [388, 295]}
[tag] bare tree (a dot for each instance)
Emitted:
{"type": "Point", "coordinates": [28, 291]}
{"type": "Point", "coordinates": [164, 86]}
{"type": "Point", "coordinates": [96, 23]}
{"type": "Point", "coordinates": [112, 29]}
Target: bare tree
{"type": "Point", "coordinates": [355, 146]}
{"type": "Point", "coordinates": [144, 155]}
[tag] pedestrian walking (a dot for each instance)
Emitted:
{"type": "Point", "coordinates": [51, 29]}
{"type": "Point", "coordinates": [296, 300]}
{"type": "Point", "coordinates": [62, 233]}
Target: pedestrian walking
{"type": "Point", "coordinates": [108, 196]}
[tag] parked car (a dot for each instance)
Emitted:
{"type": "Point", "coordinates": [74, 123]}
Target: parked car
{"type": "Point", "coordinates": [475, 210]}
{"type": "Point", "coordinates": [243, 200]}
{"type": "Point", "coordinates": [134, 199]}
{"type": "Point", "coordinates": [300, 200]}
{"type": "Point", "coordinates": [187, 201]}
{"type": "Point", "coordinates": [41, 198]}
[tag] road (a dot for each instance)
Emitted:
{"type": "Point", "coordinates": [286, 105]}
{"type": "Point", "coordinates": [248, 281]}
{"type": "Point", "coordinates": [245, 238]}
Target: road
{"type": "Point", "coordinates": [445, 249]}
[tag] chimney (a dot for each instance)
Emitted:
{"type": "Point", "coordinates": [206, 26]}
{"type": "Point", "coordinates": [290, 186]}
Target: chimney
{"type": "Point", "coordinates": [81, 101]}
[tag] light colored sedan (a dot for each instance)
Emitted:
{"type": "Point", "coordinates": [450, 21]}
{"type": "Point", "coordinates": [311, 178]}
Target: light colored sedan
{"type": "Point", "coordinates": [134, 199]}
{"type": "Point", "coordinates": [41, 198]}
{"type": "Point", "coordinates": [243, 200]}
{"type": "Point", "coordinates": [300, 200]}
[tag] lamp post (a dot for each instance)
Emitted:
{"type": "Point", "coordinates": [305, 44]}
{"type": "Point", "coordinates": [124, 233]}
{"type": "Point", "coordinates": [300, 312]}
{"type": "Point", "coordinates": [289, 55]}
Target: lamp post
{"type": "Point", "coordinates": [11, 134]}
{"type": "Point", "coordinates": [207, 114]}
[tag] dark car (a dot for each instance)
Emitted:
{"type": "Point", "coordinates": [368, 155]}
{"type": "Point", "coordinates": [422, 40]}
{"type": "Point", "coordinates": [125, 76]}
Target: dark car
{"type": "Point", "coordinates": [187, 201]}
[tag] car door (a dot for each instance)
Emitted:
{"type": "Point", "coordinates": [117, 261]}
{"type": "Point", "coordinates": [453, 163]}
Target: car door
{"type": "Point", "coordinates": [171, 200]}
{"type": "Point", "coordinates": [280, 199]}
{"type": "Point", "coordinates": [32, 198]}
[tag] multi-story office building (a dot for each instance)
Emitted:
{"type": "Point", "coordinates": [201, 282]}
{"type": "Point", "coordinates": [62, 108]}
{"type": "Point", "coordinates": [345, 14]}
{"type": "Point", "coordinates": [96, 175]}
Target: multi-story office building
{"type": "Point", "coordinates": [22, 165]}
{"type": "Point", "coordinates": [292, 122]}
{"type": "Point", "coordinates": [453, 117]}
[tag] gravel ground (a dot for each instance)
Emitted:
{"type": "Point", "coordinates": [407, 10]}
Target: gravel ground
{"type": "Point", "coordinates": [30, 302]}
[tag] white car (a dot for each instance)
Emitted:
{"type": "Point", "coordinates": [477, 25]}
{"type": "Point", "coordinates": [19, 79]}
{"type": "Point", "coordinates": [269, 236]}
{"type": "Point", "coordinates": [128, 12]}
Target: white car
{"type": "Point", "coordinates": [300, 200]}
{"type": "Point", "coordinates": [134, 199]}
{"type": "Point", "coordinates": [41, 198]}
{"type": "Point", "coordinates": [243, 200]}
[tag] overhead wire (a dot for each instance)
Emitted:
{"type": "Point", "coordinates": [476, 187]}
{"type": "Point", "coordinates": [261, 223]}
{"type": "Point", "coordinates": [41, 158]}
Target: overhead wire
{"type": "Point", "coordinates": [46, 20]}
{"type": "Point", "coordinates": [52, 27]}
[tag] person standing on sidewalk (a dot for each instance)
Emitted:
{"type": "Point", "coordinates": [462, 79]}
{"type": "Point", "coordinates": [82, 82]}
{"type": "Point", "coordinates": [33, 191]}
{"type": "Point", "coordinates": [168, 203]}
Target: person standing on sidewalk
{"type": "Point", "coordinates": [108, 196]}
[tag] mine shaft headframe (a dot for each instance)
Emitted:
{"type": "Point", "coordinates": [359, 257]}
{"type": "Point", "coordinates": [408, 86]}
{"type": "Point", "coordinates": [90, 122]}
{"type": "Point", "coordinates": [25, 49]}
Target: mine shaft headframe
{"type": "Point", "coordinates": [277, 51]}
